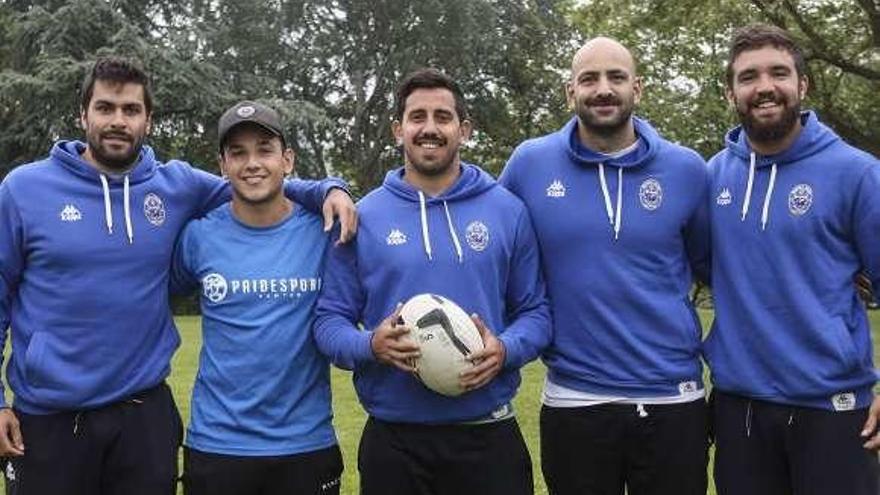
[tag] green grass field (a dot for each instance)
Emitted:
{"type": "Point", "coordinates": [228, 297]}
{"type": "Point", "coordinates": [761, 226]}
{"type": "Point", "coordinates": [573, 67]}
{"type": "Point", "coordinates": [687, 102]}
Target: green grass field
{"type": "Point", "coordinates": [349, 416]}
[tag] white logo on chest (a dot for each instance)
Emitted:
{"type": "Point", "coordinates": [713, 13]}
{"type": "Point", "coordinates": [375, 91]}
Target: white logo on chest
{"type": "Point", "coordinates": [650, 194]}
{"type": "Point", "coordinates": [724, 197]}
{"type": "Point", "coordinates": [70, 213]}
{"type": "Point", "coordinates": [154, 209]}
{"type": "Point", "coordinates": [396, 238]}
{"type": "Point", "coordinates": [477, 235]}
{"type": "Point", "coordinates": [214, 287]}
{"type": "Point", "coordinates": [556, 189]}
{"type": "Point", "coordinates": [800, 199]}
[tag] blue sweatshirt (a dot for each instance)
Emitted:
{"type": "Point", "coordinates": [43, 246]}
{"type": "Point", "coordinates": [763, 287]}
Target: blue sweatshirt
{"type": "Point", "coordinates": [476, 247]}
{"type": "Point", "coordinates": [618, 259]}
{"type": "Point", "coordinates": [262, 387]}
{"type": "Point", "coordinates": [84, 276]}
{"type": "Point", "coordinates": [789, 327]}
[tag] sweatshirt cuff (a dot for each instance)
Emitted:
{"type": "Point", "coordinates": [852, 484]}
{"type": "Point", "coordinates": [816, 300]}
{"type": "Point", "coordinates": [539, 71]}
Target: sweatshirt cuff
{"type": "Point", "coordinates": [331, 183]}
{"type": "Point", "coordinates": [512, 353]}
{"type": "Point", "coordinates": [364, 348]}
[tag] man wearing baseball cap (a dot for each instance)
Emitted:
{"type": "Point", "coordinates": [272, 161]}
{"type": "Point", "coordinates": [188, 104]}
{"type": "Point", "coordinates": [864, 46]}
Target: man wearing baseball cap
{"type": "Point", "coordinates": [261, 415]}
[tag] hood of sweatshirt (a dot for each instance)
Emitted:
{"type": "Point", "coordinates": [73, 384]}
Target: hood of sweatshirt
{"type": "Point", "coordinates": [69, 155]}
{"type": "Point", "coordinates": [644, 150]}
{"type": "Point", "coordinates": [814, 138]}
{"type": "Point", "coordinates": [471, 182]}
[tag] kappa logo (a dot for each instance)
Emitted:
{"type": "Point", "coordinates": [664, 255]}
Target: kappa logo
{"type": "Point", "coordinates": [556, 189]}
{"type": "Point", "coordinates": [154, 209]}
{"type": "Point", "coordinates": [10, 471]}
{"type": "Point", "coordinates": [214, 287]}
{"type": "Point", "coordinates": [477, 235]}
{"type": "Point", "coordinates": [396, 238]}
{"type": "Point", "coordinates": [70, 213]}
{"type": "Point", "coordinates": [800, 199]}
{"type": "Point", "coordinates": [724, 197]}
{"type": "Point", "coordinates": [651, 194]}
{"type": "Point", "coordinates": [844, 402]}
{"type": "Point", "coordinates": [685, 388]}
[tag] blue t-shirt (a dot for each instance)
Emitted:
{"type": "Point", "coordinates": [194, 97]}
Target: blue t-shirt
{"type": "Point", "coordinates": [262, 387]}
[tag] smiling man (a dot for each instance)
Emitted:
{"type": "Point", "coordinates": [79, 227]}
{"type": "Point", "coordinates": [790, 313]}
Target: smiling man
{"type": "Point", "coordinates": [261, 417]}
{"type": "Point", "coordinates": [442, 226]}
{"type": "Point", "coordinates": [795, 214]}
{"type": "Point", "coordinates": [86, 239]}
{"type": "Point", "coordinates": [620, 215]}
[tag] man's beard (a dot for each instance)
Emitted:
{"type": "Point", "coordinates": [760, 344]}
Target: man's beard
{"type": "Point", "coordinates": [604, 128]}
{"type": "Point", "coordinates": [113, 161]}
{"type": "Point", "coordinates": [771, 131]}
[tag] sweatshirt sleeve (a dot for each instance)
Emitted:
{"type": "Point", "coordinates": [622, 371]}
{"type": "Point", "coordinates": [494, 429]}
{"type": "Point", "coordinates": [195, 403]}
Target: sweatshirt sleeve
{"type": "Point", "coordinates": [697, 235]}
{"type": "Point", "coordinates": [339, 309]}
{"type": "Point", "coordinates": [529, 327]}
{"type": "Point", "coordinates": [215, 191]}
{"type": "Point", "coordinates": [866, 223]}
{"type": "Point", "coordinates": [184, 263]}
{"type": "Point", "coordinates": [11, 260]}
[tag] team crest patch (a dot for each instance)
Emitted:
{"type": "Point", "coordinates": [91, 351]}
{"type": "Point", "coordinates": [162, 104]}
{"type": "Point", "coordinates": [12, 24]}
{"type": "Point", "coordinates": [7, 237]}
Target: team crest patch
{"type": "Point", "coordinates": [650, 194]}
{"type": "Point", "coordinates": [724, 197]}
{"type": "Point", "coordinates": [214, 287]}
{"type": "Point", "coordinates": [154, 209]}
{"type": "Point", "coordinates": [477, 236]}
{"type": "Point", "coordinates": [800, 199]}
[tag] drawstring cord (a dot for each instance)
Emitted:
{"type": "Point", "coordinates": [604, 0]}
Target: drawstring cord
{"type": "Point", "coordinates": [453, 234]}
{"type": "Point", "coordinates": [765, 210]}
{"type": "Point", "coordinates": [614, 218]}
{"type": "Point", "coordinates": [426, 240]}
{"type": "Point", "coordinates": [108, 207]}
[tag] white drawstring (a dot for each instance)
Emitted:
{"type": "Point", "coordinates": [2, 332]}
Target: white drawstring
{"type": "Point", "coordinates": [453, 234]}
{"type": "Point", "coordinates": [614, 218]}
{"type": "Point", "coordinates": [108, 209]}
{"type": "Point", "coordinates": [749, 419]}
{"type": "Point", "coordinates": [748, 198]}
{"type": "Point", "coordinates": [426, 241]}
{"type": "Point", "coordinates": [126, 199]}
{"type": "Point", "coordinates": [640, 408]}
{"type": "Point", "coordinates": [605, 194]}
{"type": "Point", "coordinates": [619, 213]}
{"type": "Point", "coordinates": [766, 210]}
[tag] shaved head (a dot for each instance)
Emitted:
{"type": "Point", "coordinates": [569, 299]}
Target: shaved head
{"type": "Point", "coordinates": [605, 49]}
{"type": "Point", "coordinates": [603, 91]}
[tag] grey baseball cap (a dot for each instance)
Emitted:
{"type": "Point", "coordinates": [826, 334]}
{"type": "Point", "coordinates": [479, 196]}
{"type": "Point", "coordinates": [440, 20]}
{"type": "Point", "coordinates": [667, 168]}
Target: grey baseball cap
{"type": "Point", "coordinates": [249, 111]}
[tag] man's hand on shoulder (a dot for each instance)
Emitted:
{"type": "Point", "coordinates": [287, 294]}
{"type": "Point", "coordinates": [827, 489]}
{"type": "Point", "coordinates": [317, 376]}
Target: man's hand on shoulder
{"type": "Point", "coordinates": [338, 204]}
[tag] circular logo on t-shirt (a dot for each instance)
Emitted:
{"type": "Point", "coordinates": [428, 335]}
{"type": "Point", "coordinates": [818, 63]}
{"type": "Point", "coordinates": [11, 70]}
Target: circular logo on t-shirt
{"type": "Point", "coordinates": [214, 287]}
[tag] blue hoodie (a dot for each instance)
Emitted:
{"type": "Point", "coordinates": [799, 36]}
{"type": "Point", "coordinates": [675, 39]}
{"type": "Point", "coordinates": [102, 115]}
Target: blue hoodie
{"type": "Point", "coordinates": [618, 259]}
{"type": "Point", "coordinates": [473, 244]}
{"type": "Point", "coordinates": [84, 275]}
{"type": "Point", "coordinates": [789, 327]}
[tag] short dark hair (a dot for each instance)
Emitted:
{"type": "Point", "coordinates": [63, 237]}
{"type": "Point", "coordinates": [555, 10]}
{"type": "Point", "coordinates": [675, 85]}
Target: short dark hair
{"type": "Point", "coordinates": [757, 36]}
{"type": "Point", "coordinates": [118, 70]}
{"type": "Point", "coordinates": [428, 78]}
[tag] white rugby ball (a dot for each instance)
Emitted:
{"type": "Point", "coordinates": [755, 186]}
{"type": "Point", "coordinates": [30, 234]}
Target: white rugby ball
{"type": "Point", "coordinates": [446, 336]}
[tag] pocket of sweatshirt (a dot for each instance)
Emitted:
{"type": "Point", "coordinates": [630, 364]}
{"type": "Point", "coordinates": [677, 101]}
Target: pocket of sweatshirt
{"type": "Point", "coordinates": [33, 358]}
{"type": "Point", "coordinates": [693, 329]}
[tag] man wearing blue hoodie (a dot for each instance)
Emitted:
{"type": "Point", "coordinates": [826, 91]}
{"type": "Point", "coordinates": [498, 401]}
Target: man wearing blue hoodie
{"type": "Point", "coordinates": [795, 214]}
{"type": "Point", "coordinates": [86, 237]}
{"type": "Point", "coordinates": [442, 226]}
{"type": "Point", "coordinates": [620, 215]}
